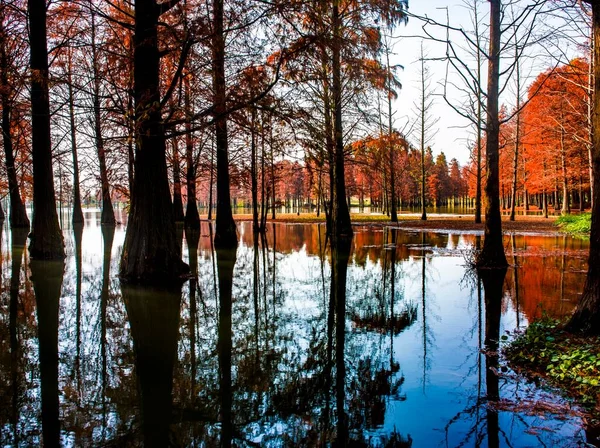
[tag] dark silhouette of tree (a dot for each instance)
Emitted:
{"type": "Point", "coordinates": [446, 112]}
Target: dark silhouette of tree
{"type": "Point", "coordinates": [46, 236]}
{"type": "Point", "coordinates": [150, 252]}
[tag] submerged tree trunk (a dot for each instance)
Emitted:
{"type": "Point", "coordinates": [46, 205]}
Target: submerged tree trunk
{"type": "Point", "coordinates": [492, 254]}
{"type": "Point", "coordinates": [17, 213]}
{"type": "Point", "coordinates": [225, 234]}
{"type": "Point", "coordinates": [46, 236]}
{"type": "Point", "coordinates": [150, 252]}
{"type": "Point", "coordinates": [586, 318]}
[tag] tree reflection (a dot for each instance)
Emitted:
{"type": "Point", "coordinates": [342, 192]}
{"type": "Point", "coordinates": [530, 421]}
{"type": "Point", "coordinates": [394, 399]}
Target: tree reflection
{"type": "Point", "coordinates": [153, 316]}
{"type": "Point", "coordinates": [493, 282]}
{"type": "Point", "coordinates": [18, 240]}
{"type": "Point", "coordinates": [225, 264]}
{"type": "Point", "coordinates": [47, 278]}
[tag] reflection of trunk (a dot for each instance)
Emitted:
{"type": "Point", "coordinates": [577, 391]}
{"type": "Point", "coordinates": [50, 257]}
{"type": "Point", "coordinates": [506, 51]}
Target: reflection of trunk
{"type": "Point", "coordinates": [108, 215]}
{"type": "Point", "coordinates": [77, 236]}
{"type": "Point", "coordinates": [225, 234]}
{"type": "Point", "coordinates": [47, 277]}
{"type": "Point", "coordinates": [46, 236]}
{"type": "Point", "coordinates": [18, 215]}
{"type": "Point", "coordinates": [153, 316]}
{"type": "Point", "coordinates": [193, 237]}
{"type": "Point", "coordinates": [515, 279]}
{"type": "Point", "coordinates": [108, 234]}
{"type": "Point", "coordinates": [493, 281]}
{"type": "Point", "coordinates": [225, 264]}
{"type": "Point", "coordinates": [492, 254]}
{"type": "Point", "coordinates": [18, 239]}
{"type": "Point", "coordinates": [340, 254]}
{"type": "Point", "coordinates": [424, 306]}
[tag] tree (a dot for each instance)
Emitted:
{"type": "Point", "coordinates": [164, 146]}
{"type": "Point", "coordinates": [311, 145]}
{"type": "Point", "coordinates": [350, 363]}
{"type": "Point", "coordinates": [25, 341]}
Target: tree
{"type": "Point", "coordinates": [150, 252]}
{"type": "Point", "coordinates": [9, 44]}
{"type": "Point", "coordinates": [492, 253]}
{"type": "Point", "coordinates": [586, 318]}
{"type": "Point", "coordinates": [46, 236]}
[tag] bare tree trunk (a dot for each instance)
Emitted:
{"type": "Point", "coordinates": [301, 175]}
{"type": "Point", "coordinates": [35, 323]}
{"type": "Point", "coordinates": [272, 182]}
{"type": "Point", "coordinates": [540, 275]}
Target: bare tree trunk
{"type": "Point", "coordinates": [77, 212]}
{"type": "Point", "coordinates": [177, 201]}
{"type": "Point", "coordinates": [340, 214]}
{"type": "Point", "coordinates": [225, 233]}
{"type": "Point", "coordinates": [18, 214]}
{"type": "Point", "coordinates": [108, 215]}
{"type": "Point", "coordinates": [566, 208]}
{"type": "Point", "coordinates": [192, 218]}
{"type": "Point", "coordinates": [492, 255]}
{"type": "Point", "coordinates": [150, 251]}
{"type": "Point", "coordinates": [586, 318]}
{"type": "Point", "coordinates": [46, 236]}
{"type": "Point", "coordinates": [394, 217]}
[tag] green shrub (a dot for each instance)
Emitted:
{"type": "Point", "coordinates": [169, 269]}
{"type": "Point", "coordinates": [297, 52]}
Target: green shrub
{"type": "Point", "coordinates": [575, 224]}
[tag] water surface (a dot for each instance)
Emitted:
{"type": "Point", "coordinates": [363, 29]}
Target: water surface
{"type": "Point", "coordinates": [262, 348]}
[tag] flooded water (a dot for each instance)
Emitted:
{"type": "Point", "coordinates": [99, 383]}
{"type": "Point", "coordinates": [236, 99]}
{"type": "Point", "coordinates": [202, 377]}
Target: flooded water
{"type": "Point", "coordinates": [389, 343]}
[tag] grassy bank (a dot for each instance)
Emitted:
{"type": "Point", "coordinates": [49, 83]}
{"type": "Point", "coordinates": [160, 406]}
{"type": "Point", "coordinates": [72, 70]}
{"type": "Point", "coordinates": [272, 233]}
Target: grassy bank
{"type": "Point", "coordinates": [565, 361]}
{"type": "Point", "coordinates": [575, 224]}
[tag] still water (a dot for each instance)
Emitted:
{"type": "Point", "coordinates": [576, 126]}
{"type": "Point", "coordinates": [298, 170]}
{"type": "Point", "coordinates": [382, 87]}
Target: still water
{"type": "Point", "coordinates": [261, 348]}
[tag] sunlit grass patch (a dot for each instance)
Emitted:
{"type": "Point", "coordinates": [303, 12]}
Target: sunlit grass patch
{"type": "Point", "coordinates": [575, 224]}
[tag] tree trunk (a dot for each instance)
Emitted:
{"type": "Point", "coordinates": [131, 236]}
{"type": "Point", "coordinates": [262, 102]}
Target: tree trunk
{"type": "Point", "coordinates": [253, 172]}
{"type": "Point", "coordinates": [586, 318]}
{"type": "Point", "coordinates": [150, 252]}
{"type": "Point", "coordinates": [46, 236]}
{"type": "Point", "coordinates": [225, 234]}
{"type": "Point", "coordinates": [492, 254]}
{"type": "Point", "coordinates": [18, 214]}
{"type": "Point", "coordinates": [192, 218]}
{"type": "Point", "coordinates": [340, 214]}
{"type": "Point", "coordinates": [566, 208]}
{"type": "Point", "coordinates": [177, 202]}
{"type": "Point", "coordinates": [394, 217]}
{"type": "Point", "coordinates": [77, 212]}
{"type": "Point", "coordinates": [108, 215]}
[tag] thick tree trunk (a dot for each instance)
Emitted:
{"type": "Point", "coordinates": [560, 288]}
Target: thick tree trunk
{"type": "Point", "coordinates": [586, 318]}
{"type": "Point", "coordinates": [340, 214]}
{"type": "Point", "coordinates": [46, 236]}
{"type": "Point", "coordinates": [177, 201]}
{"type": "Point", "coordinates": [225, 234]}
{"type": "Point", "coordinates": [150, 252]}
{"type": "Point", "coordinates": [108, 214]}
{"type": "Point", "coordinates": [17, 213]}
{"type": "Point", "coordinates": [492, 254]}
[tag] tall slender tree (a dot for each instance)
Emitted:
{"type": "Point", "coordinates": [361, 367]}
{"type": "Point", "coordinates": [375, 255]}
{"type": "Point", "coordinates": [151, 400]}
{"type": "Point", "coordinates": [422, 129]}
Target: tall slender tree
{"type": "Point", "coordinates": [46, 236]}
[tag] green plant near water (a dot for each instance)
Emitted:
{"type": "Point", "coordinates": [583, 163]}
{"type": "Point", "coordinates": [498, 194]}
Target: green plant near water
{"type": "Point", "coordinates": [575, 224]}
{"type": "Point", "coordinates": [569, 362]}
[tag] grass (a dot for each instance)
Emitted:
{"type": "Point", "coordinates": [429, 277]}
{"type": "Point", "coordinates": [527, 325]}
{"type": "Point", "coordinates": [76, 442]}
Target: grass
{"type": "Point", "coordinates": [575, 224]}
{"type": "Point", "coordinates": [568, 362]}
